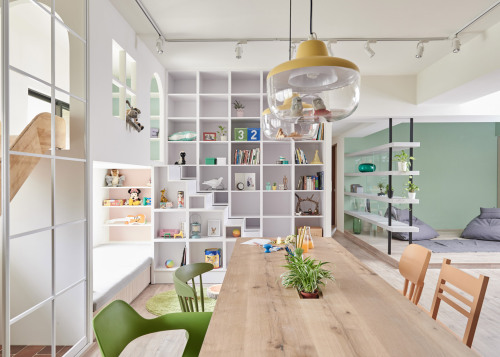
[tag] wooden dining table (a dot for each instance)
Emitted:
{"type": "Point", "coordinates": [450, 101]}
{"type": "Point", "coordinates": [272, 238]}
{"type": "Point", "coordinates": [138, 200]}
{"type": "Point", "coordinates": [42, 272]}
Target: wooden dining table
{"type": "Point", "coordinates": [359, 314]}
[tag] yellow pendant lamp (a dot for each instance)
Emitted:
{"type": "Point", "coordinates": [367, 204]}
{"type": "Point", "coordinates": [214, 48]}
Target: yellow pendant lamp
{"type": "Point", "coordinates": [317, 84]}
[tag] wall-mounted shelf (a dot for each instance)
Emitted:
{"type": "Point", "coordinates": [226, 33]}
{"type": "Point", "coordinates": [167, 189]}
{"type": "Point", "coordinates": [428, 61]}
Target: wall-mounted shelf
{"type": "Point", "coordinates": [383, 222]}
{"type": "Point", "coordinates": [384, 173]}
{"type": "Point", "coordinates": [396, 146]}
{"type": "Point", "coordinates": [393, 200]}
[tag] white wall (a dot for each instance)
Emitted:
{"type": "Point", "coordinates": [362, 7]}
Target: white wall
{"type": "Point", "coordinates": [110, 140]}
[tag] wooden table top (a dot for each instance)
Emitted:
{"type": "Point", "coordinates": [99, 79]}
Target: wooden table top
{"type": "Point", "coordinates": [359, 315]}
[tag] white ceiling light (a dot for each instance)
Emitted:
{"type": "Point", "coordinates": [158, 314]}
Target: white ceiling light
{"type": "Point", "coordinates": [159, 45]}
{"type": "Point", "coordinates": [420, 49]}
{"type": "Point", "coordinates": [239, 49]}
{"type": "Point", "coordinates": [368, 50]}
{"type": "Point", "coordinates": [455, 44]}
{"type": "Point", "coordinates": [329, 45]}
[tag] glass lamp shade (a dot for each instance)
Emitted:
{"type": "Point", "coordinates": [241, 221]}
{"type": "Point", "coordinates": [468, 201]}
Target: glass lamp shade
{"type": "Point", "coordinates": [289, 128]}
{"type": "Point", "coordinates": [314, 85]}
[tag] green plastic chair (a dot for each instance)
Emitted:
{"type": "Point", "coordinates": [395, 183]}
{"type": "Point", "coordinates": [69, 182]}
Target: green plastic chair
{"type": "Point", "coordinates": [118, 324]}
{"type": "Point", "coordinates": [187, 294]}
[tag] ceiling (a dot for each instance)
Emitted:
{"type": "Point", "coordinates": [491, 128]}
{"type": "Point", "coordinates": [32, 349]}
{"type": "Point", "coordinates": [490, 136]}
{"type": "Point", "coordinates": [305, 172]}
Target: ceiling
{"type": "Point", "coordinates": [239, 20]}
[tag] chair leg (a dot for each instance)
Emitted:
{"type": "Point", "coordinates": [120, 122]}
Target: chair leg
{"type": "Point", "coordinates": [201, 293]}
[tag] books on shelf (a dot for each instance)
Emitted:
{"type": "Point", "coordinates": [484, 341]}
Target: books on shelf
{"type": "Point", "coordinates": [300, 156]}
{"type": "Point", "coordinates": [321, 132]}
{"type": "Point", "coordinates": [183, 259]}
{"type": "Point", "coordinates": [311, 182]}
{"type": "Point", "coordinates": [247, 157]}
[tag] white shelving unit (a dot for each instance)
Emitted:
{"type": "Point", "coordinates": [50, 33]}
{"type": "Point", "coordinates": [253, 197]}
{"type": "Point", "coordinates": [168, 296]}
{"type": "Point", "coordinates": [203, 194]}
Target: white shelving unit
{"type": "Point", "coordinates": [389, 224]}
{"type": "Point", "coordinates": [201, 102]}
{"type": "Point", "coordinates": [104, 231]}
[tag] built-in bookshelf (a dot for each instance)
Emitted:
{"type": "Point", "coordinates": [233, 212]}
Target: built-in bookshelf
{"type": "Point", "coordinates": [201, 102]}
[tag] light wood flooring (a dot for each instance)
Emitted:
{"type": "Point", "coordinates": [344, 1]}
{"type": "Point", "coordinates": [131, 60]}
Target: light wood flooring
{"type": "Point", "coordinates": [486, 342]}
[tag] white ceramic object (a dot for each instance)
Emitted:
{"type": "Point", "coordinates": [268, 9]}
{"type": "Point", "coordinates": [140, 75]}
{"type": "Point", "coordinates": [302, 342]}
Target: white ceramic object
{"type": "Point", "coordinates": [411, 195]}
{"type": "Point", "coordinates": [402, 166]}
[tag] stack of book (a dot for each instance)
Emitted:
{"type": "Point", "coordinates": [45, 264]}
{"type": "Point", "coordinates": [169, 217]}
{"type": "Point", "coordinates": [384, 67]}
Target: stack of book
{"type": "Point", "coordinates": [321, 132]}
{"type": "Point", "coordinates": [311, 182]}
{"type": "Point", "coordinates": [300, 157]}
{"type": "Point", "coordinates": [247, 157]}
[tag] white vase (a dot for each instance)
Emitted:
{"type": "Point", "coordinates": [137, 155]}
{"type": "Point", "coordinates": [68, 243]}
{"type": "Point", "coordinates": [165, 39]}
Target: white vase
{"type": "Point", "coordinates": [411, 195]}
{"type": "Point", "coordinates": [402, 166]}
{"type": "Point", "coordinates": [223, 138]}
{"type": "Point", "coordinates": [240, 113]}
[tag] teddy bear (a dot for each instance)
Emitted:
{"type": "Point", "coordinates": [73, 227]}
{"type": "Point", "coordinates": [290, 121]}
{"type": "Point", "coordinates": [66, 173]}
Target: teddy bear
{"type": "Point", "coordinates": [114, 179]}
{"type": "Point", "coordinates": [133, 117]}
{"type": "Point", "coordinates": [134, 199]}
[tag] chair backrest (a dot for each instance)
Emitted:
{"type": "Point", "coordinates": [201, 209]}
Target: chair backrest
{"type": "Point", "coordinates": [188, 297]}
{"type": "Point", "coordinates": [413, 267]}
{"type": "Point", "coordinates": [475, 287]}
{"type": "Point", "coordinates": [118, 324]}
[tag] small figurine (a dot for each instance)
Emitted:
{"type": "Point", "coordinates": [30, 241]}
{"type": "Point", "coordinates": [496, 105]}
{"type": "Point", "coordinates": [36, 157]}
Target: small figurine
{"type": "Point", "coordinates": [320, 108]}
{"type": "Point", "coordinates": [180, 199]}
{"type": "Point", "coordinates": [285, 182]}
{"type": "Point", "coordinates": [114, 179]}
{"type": "Point", "coordinates": [297, 107]}
{"type": "Point", "coordinates": [163, 198]}
{"type": "Point", "coordinates": [214, 183]}
{"type": "Point", "coordinates": [182, 160]}
{"type": "Point", "coordinates": [280, 134]}
{"type": "Point", "coordinates": [134, 199]}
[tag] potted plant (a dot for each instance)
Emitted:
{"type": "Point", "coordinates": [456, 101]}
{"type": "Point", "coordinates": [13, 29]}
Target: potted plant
{"type": "Point", "coordinates": [306, 275]}
{"type": "Point", "coordinates": [239, 108]}
{"type": "Point", "coordinates": [381, 187]}
{"type": "Point", "coordinates": [389, 194]}
{"type": "Point", "coordinates": [222, 133]}
{"type": "Point", "coordinates": [412, 190]}
{"type": "Point", "coordinates": [275, 187]}
{"type": "Point", "coordinates": [403, 160]}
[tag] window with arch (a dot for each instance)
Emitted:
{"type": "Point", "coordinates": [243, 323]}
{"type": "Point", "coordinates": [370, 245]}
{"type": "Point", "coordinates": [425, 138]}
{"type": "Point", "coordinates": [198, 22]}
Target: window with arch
{"type": "Point", "coordinates": [156, 119]}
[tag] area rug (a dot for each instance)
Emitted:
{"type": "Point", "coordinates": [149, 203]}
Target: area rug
{"type": "Point", "coordinates": [168, 302]}
{"type": "Point", "coordinates": [460, 246]}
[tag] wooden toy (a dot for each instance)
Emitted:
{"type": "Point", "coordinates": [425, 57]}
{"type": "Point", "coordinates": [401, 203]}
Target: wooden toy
{"type": "Point", "coordinates": [130, 219]}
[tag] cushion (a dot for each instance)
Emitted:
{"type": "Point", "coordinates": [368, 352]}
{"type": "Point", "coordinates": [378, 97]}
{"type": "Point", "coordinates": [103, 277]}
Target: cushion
{"type": "Point", "coordinates": [485, 229]}
{"type": "Point", "coordinates": [490, 213]}
{"type": "Point", "coordinates": [403, 215]}
{"type": "Point", "coordinates": [183, 136]}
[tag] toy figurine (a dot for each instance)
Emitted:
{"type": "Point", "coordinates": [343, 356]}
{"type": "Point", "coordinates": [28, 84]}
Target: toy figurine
{"type": "Point", "coordinates": [285, 182]}
{"type": "Point", "coordinates": [182, 160]}
{"type": "Point", "coordinates": [297, 107]}
{"type": "Point", "coordinates": [180, 199]}
{"type": "Point", "coordinates": [163, 198]}
{"type": "Point", "coordinates": [134, 199]}
{"type": "Point", "coordinates": [320, 108]}
{"type": "Point", "coordinates": [114, 179]}
{"type": "Point", "coordinates": [214, 183]}
{"type": "Point", "coordinates": [132, 118]}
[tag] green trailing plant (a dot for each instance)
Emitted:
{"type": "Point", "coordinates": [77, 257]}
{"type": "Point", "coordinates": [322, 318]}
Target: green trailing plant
{"type": "Point", "coordinates": [238, 105]}
{"type": "Point", "coordinates": [306, 275]}
{"type": "Point", "coordinates": [411, 187]}
{"type": "Point", "coordinates": [222, 130]}
{"type": "Point", "coordinates": [403, 157]}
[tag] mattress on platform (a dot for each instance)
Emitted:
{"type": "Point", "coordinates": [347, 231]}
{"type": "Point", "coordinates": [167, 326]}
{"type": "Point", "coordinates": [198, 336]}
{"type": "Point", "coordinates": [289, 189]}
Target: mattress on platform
{"type": "Point", "coordinates": [115, 266]}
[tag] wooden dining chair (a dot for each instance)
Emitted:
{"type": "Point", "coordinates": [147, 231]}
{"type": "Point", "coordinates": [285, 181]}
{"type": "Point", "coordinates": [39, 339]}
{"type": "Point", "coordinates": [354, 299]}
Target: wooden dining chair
{"type": "Point", "coordinates": [475, 287]}
{"type": "Point", "coordinates": [413, 267]}
{"type": "Point", "coordinates": [188, 297]}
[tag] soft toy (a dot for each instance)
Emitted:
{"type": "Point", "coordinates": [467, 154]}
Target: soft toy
{"type": "Point", "coordinates": [134, 199]}
{"type": "Point", "coordinates": [133, 117]}
{"type": "Point", "coordinates": [182, 160]}
{"type": "Point", "coordinates": [114, 179]}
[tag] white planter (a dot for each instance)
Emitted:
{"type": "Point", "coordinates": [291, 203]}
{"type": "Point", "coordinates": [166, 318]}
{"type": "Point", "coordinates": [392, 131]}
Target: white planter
{"type": "Point", "coordinates": [402, 166]}
{"type": "Point", "coordinates": [411, 195]}
{"type": "Point", "coordinates": [240, 112]}
{"type": "Point", "coordinates": [223, 138]}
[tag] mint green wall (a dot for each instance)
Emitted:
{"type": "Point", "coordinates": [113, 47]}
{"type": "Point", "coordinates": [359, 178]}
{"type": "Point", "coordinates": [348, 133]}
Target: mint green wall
{"type": "Point", "coordinates": [458, 170]}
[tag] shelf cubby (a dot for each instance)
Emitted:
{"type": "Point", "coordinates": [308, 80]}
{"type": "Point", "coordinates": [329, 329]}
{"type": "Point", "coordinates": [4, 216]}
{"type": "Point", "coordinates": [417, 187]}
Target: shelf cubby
{"type": "Point", "coordinates": [209, 149]}
{"type": "Point", "coordinates": [184, 124]}
{"type": "Point", "coordinates": [251, 103]}
{"type": "Point", "coordinates": [212, 126]}
{"type": "Point", "coordinates": [174, 149]}
{"type": "Point", "coordinates": [276, 174]}
{"type": "Point", "coordinates": [214, 106]}
{"type": "Point", "coordinates": [245, 169]}
{"type": "Point", "coordinates": [278, 203]}
{"type": "Point", "coordinates": [168, 249]}
{"type": "Point", "coordinates": [214, 82]}
{"type": "Point", "coordinates": [182, 106]}
{"type": "Point", "coordinates": [245, 82]}
{"type": "Point", "coordinates": [245, 203]}
{"type": "Point", "coordinates": [212, 172]}
{"type": "Point", "coordinates": [197, 251]}
{"type": "Point", "coordinates": [277, 227]}
{"type": "Point", "coordinates": [221, 198]}
{"type": "Point", "coordinates": [274, 149]}
{"type": "Point", "coordinates": [182, 82]}
{"type": "Point", "coordinates": [252, 224]}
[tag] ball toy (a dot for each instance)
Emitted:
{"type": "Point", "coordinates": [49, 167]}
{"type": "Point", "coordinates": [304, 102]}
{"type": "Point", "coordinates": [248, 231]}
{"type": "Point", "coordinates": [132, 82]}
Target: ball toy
{"type": "Point", "coordinates": [169, 263]}
{"type": "Point", "coordinates": [236, 232]}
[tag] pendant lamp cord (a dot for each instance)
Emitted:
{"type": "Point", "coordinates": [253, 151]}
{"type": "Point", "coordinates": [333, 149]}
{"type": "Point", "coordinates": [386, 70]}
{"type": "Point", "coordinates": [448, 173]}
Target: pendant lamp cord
{"type": "Point", "coordinates": [290, 34]}
{"type": "Point", "coordinates": [311, 19]}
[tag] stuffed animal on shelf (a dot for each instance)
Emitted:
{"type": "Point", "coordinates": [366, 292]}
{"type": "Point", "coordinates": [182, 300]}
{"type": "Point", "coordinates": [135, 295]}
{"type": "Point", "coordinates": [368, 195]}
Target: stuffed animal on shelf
{"type": "Point", "coordinates": [320, 108]}
{"type": "Point", "coordinates": [182, 160]}
{"type": "Point", "coordinates": [134, 199]}
{"type": "Point", "coordinates": [133, 117]}
{"type": "Point", "coordinates": [114, 179]}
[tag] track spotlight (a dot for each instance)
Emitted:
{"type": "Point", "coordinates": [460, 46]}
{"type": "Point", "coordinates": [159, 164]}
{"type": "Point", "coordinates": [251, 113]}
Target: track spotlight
{"type": "Point", "coordinates": [329, 45]}
{"type": "Point", "coordinates": [368, 50]}
{"type": "Point", "coordinates": [455, 44]}
{"type": "Point", "coordinates": [239, 49]}
{"type": "Point", "coordinates": [159, 45]}
{"type": "Point", "coordinates": [420, 49]}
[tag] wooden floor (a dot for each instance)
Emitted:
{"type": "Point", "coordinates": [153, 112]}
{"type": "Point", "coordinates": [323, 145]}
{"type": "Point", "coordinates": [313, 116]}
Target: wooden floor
{"type": "Point", "coordinates": [486, 342]}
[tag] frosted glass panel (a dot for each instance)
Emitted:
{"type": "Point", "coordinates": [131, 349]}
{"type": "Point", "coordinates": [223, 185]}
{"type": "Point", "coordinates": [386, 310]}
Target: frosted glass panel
{"type": "Point", "coordinates": [69, 255]}
{"type": "Point", "coordinates": [33, 330]}
{"type": "Point", "coordinates": [70, 317]}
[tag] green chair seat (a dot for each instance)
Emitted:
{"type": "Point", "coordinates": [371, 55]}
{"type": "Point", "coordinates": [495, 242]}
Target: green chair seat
{"type": "Point", "coordinates": [118, 324]}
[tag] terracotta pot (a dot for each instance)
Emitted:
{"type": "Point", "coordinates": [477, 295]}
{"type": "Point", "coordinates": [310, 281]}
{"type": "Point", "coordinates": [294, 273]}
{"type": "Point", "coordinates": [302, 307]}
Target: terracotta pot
{"type": "Point", "coordinates": [314, 295]}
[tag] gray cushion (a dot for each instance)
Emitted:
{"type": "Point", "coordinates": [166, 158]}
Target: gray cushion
{"type": "Point", "coordinates": [403, 215]}
{"type": "Point", "coordinates": [485, 229]}
{"type": "Point", "coordinates": [490, 213]}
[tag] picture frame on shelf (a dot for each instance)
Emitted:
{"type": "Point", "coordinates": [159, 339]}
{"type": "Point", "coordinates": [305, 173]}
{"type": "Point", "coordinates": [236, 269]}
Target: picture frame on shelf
{"type": "Point", "coordinates": [214, 228]}
{"type": "Point", "coordinates": [209, 136]}
{"type": "Point", "coordinates": [244, 181]}
{"type": "Point", "coordinates": [250, 181]}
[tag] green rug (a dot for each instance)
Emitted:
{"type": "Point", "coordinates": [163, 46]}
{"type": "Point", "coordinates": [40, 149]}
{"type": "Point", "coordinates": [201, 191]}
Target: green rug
{"type": "Point", "coordinates": [168, 302]}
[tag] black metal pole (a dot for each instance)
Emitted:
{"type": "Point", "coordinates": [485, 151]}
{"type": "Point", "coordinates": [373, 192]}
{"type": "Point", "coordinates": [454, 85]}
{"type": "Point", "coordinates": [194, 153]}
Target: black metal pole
{"type": "Point", "coordinates": [410, 234]}
{"type": "Point", "coordinates": [389, 191]}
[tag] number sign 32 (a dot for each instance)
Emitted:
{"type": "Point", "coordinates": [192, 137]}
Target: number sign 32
{"type": "Point", "coordinates": [247, 134]}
